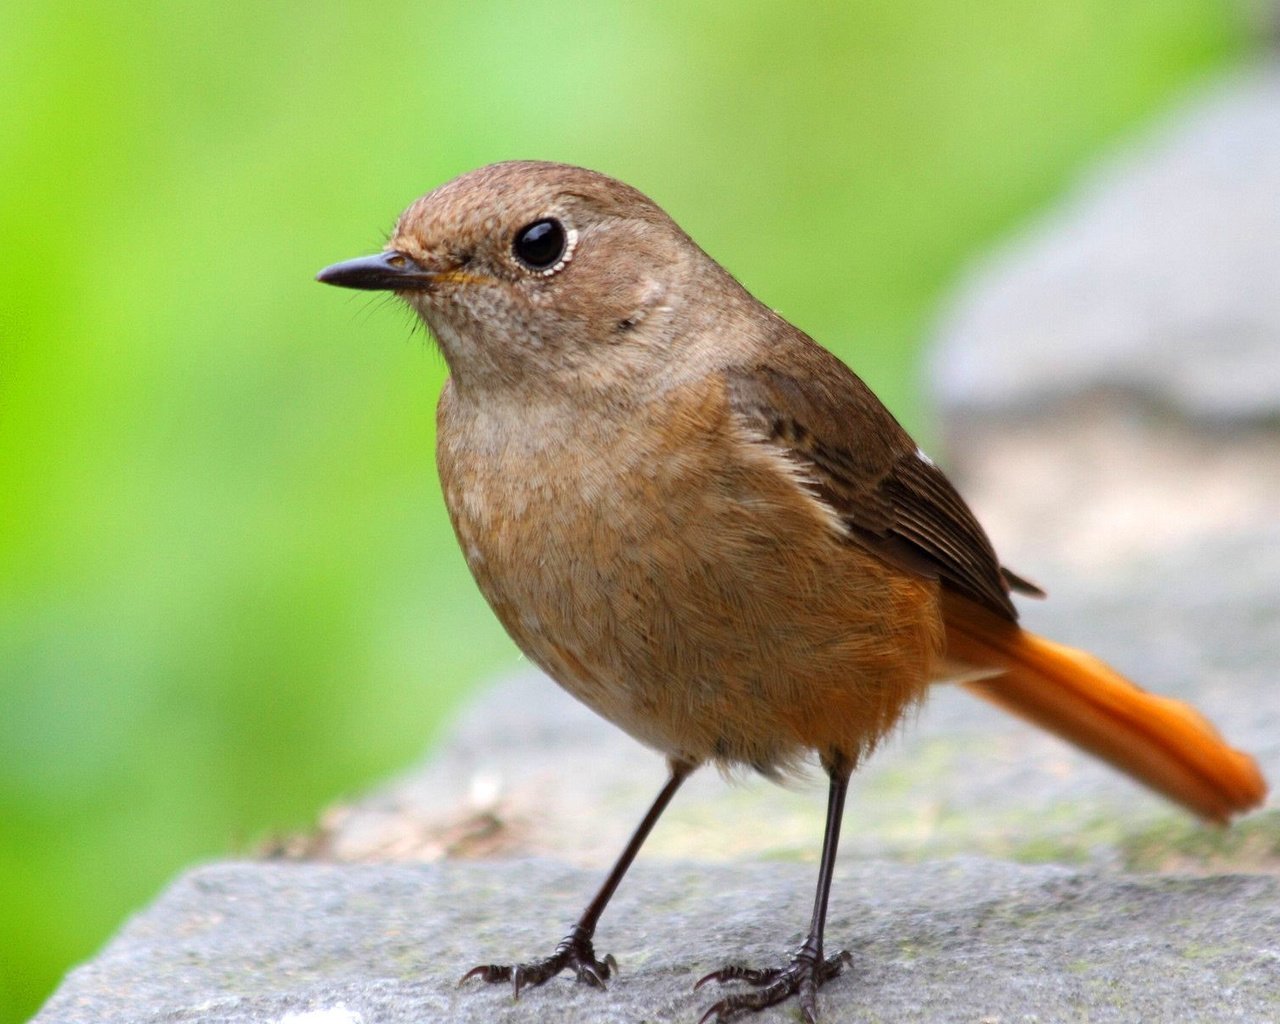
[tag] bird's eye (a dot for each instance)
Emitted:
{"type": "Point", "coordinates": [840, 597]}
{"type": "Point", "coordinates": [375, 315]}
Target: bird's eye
{"type": "Point", "coordinates": [540, 245]}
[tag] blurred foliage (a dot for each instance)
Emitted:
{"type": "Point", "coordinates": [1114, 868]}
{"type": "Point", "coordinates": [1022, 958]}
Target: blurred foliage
{"type": "Point", "coordinates": [228, 591]}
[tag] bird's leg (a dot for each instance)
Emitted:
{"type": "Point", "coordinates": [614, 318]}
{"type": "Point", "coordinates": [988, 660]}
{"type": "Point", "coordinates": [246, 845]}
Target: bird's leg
{"type": "Point", "coordinates": [807, 969]}
{"type": "Point", "coordinates": [575, 950]}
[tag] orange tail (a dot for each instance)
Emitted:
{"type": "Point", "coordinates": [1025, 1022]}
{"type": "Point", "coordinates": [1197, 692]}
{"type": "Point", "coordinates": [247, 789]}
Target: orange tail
{"type": "Point", "coordinates": [1161, 742]}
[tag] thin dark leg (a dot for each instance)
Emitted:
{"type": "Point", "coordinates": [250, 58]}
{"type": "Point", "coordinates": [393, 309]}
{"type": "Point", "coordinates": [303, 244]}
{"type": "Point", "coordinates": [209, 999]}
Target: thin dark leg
{"type": "Point", "coordinates": [807, 969]}
{"type": "Point", "coordinates": [830, 841]}
{"type": "Point", "coordinates": [575, 949]}
{"type": "Point", "coordinates": [591, 916]}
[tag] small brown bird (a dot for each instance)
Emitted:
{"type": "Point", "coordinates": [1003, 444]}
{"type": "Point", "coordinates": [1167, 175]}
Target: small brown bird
{"type": "Point", "coordinates": [709, 530]}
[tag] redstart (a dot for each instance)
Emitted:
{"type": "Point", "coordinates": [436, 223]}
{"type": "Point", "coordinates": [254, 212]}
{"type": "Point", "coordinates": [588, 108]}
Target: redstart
{"type": "Point", "coordinates": [705, 526]}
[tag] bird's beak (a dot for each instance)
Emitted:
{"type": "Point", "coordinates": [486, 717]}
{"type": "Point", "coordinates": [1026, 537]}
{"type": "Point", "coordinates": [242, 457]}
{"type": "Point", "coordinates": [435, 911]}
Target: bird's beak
{"type": "Point", "coordinates": [387, 271]}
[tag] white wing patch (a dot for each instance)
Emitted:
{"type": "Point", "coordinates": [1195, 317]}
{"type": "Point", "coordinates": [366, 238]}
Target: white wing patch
{"type": "Point", "coordinates": [788, 468]}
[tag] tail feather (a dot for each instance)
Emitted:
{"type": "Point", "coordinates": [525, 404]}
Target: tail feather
{"type": "Point", "coordinates": [1161, 742]}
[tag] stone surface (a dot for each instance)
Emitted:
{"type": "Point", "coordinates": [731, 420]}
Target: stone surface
{"type": "Point", "coordinates": [961, 940]}
{"type": "Point", "coordinates": [1088, 491]}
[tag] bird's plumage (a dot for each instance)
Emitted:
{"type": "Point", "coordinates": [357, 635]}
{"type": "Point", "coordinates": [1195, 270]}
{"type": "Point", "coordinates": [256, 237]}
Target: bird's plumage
{"type": "Point", "coordinates": [708, 529]}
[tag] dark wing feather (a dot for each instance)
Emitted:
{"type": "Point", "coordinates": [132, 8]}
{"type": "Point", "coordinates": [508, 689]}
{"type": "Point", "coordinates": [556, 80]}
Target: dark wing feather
{"type": "Point", "coordinates": [864, 465]}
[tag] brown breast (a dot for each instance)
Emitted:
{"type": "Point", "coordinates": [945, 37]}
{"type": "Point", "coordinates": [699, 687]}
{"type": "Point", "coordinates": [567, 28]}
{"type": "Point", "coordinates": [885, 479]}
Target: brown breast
{"type": "Point", "coordinates": [671, 570]}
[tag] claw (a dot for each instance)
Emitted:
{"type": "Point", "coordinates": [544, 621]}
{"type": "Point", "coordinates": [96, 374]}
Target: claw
{"type": "Point", "coordinates": [489, 972]}
{"type": "Point", "coordinates": [800, 978]}
{"type": "Point", "coordinates": [574, 951]}
{"type": "Point", "coordinates": [751, 975]}
{"type": "Point", "coordinates": [591, 974]}
{"type": "Point", "coordinates": [713, 1011]}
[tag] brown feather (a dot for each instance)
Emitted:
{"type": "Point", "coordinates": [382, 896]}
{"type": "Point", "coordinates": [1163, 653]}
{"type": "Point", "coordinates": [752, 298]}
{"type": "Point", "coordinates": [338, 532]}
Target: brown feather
{"type": "Point", "coordinates": [891, 498]}
{"type": "Point", "coordinates": [680, 578]}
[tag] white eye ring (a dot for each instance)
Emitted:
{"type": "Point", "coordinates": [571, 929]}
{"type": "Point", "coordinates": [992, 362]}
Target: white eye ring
{"type": "Point", "coordinates": [570, 242]}
{"type": "Point", "coordinates": [544, 246]}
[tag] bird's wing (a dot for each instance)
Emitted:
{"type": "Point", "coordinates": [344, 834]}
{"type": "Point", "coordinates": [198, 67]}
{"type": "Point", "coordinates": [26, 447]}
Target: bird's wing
{"type": "Point", "coordinates": [860, 461]}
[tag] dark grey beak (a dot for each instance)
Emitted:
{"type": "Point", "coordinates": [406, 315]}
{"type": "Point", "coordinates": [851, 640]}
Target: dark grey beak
{"type": "Point", "coordinates": [387, 271]}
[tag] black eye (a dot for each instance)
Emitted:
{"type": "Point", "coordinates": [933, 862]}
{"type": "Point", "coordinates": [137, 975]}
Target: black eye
{"type": "Point", "coordinates": [541, 244]}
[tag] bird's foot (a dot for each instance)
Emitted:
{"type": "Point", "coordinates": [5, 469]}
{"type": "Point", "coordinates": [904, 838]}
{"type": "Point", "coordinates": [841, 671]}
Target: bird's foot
{"type": "Point", "coordinates": [800, 978]}
{"type": "Point", "coordinates": [574, 952]}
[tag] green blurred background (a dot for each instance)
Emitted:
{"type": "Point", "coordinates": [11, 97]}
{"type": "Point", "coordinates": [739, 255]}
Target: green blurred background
{"type": "Point", "coordinates": [228, 591]}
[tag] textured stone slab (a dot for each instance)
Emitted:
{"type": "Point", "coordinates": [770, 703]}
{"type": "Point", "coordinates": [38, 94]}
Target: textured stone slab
{"type": "Point", "coordinates": [957, 940]}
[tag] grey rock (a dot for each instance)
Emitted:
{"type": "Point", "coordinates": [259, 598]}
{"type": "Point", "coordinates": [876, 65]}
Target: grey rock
{"type": "Point", "coordinates": [1158, 278]}
{"type": "Point", "coordinates": [962, 940]}
{"type": "Point", "coordinates": [1091, 491]}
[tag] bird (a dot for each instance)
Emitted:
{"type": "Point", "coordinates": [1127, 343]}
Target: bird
{"type": "Point", "coordinates": [707, 528]}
